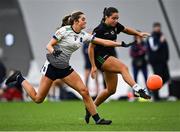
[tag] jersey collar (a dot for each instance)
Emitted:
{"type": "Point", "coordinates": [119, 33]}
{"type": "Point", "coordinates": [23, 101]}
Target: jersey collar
{"type": "Point", "coordinates": [74, 30]}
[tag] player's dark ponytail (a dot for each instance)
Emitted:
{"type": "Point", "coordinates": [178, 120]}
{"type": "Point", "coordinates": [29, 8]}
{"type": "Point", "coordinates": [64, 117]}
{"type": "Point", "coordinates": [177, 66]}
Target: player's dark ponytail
{"type": "Point", "coordinates": [104, 15]}
{"type": "Point", "coordinates": [108, 12]}
{"type": "Point", "coordinates": [65, 20]}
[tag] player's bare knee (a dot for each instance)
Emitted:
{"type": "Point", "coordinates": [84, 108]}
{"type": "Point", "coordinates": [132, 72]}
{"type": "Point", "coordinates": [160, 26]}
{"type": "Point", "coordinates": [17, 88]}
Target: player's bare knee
{"type": "Point", "coordinates": [112, 91]}
{"type": "Point", "coordinates": [84, 92]}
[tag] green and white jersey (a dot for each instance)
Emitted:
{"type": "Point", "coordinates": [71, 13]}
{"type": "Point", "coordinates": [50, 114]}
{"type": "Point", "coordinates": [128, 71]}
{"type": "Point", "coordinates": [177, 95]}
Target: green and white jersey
{"type": "Point", "coordinates": [68, 42]}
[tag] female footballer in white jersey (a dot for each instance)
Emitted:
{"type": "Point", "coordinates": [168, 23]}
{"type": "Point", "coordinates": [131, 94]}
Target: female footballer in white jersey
{"type": "Point", "coordinates": [65, 41]}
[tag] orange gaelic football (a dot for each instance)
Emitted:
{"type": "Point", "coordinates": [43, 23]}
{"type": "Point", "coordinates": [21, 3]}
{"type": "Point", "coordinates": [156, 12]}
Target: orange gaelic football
{"type": "Point", "coordinates": [154, 82]}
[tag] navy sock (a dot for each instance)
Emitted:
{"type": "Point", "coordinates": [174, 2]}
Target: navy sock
{"type": "Point", "coordinates": [87, 112]}
{"type": "Point", "coordinates": [96, 117]}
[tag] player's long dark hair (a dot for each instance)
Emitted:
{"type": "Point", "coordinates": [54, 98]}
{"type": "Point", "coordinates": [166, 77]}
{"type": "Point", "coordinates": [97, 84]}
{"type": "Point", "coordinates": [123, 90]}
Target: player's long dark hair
{"type": "Point", "coordinates": [69, 19]}
{"type": "Point", "coordinates": [108, 12]}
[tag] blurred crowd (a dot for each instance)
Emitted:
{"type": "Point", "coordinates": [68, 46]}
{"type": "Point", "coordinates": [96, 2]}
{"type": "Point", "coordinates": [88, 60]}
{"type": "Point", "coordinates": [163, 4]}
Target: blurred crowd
{"type": "Point", "coordinates": [153, 51]}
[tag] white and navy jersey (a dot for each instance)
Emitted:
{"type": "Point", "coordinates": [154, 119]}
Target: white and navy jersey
{"type": "Point", "coordinates": [68, 42]}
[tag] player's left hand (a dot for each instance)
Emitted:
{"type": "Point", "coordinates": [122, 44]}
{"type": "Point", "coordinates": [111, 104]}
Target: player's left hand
{"type": "Point", "coordinates": [56, 52]}
{"type": "Point", "coordinates": [93, 72]}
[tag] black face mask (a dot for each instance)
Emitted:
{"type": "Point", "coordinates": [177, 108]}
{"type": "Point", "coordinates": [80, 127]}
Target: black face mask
{"type": "Point", "coordinates": [157, 34]}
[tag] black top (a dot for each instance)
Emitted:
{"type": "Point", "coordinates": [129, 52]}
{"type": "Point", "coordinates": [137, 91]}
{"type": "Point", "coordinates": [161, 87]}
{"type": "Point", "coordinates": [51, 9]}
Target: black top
{"type": "Point", "coordinates": [158, 52]}
{"type": "Point", "coordinates": [138, 53]}
{"type": "Point", "coordinates": [138, 50]}
{"type": "Point", "coordinates": [107, 32]}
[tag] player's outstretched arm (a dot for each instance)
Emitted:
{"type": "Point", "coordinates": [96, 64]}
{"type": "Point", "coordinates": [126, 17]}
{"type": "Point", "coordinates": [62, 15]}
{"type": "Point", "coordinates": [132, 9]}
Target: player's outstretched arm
{"type": "Point", "coordinates": [109, 43]}
{"type": "Point", "coordinates": [132, 31]}
{"type": "Point", "coordinates": [106, 43]}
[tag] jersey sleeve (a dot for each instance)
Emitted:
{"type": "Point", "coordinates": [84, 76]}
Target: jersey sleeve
{"type": "Point", "coordinates": [119, 28]}
{"type": "Point", "coordinates": [88, 37]}
{"type": "Point", "coordinates": [60, 33]}
{"type": "Point", "coordinates": [98, 33]}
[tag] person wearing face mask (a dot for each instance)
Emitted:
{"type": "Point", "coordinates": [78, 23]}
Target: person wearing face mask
{"type": "Point", "coordinates": [158, 55]}
{"type": "Point", "coordinates": [138, 52]}
{"type": "Point", "coordinates": [104, 58]}
{"type": "Point", "coordinates": [2, 68]}
{"type": "Point", "coordinates": [66, 40]}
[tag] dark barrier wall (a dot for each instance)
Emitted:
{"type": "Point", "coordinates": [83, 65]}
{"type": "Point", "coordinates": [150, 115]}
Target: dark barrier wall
{"type": "Point", "coordinates": [13, 37]}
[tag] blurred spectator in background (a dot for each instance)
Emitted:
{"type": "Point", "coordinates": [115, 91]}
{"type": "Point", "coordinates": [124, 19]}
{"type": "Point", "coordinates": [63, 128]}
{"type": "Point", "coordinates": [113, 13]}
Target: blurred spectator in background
{"type": "Point", "coordinates": [158, 54]}
{"type": "Point", "coordinates": [2, 68]}
{"type": "Point", "coordinates": [138, 53]}
{"type": "Point", "coordinates": [2, 73]}
{"type": "Point", "coordinates": [87, 67]}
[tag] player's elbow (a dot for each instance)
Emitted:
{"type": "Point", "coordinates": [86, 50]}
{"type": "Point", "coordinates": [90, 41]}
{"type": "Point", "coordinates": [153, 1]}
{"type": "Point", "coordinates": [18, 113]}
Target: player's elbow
{"type": "Point", "coordinates": [91, 48]}
{"type": "Point", "coordinates": [47, 46]}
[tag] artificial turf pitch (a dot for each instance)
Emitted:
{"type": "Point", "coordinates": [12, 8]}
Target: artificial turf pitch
{"type": "Point", "coordinates": [68, 116]}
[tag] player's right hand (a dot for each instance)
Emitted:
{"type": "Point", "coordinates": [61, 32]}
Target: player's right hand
{"type": "Point", "coordinates": [93, 72]}
{"type": "Point", "coordinates": [56, 52]}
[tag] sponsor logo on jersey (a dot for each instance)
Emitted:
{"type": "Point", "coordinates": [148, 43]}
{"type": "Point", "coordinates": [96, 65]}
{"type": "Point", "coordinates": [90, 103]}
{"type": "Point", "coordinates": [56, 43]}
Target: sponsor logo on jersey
{"type": "Point", "coordinates": [106, 33]}
{"type": "Point", "coordinates": [58, 33]}
{"type": "Point", "coordinates": [75, 37]}
{"type": "Point", "coordinates": [112, 32]}
{"type": "Point", "coordinates": [81, 39]}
